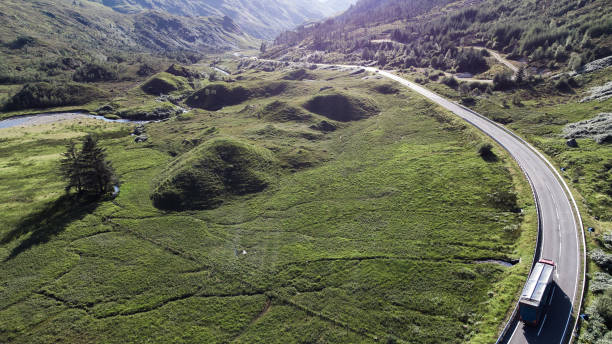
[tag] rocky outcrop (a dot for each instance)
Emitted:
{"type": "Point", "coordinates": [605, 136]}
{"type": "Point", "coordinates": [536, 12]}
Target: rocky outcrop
{"type": "Point", "coordinates": [598, 128]}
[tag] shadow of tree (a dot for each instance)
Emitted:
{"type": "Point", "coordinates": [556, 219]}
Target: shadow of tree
{"type": "Point", "coordinates": [50, 221]}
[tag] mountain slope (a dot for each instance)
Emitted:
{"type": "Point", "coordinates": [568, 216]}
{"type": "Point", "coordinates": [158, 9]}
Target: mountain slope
{"type": "Point", "coordinates": [413, 33]}
{"type": "Point", "coordinates": [262, 19]}
{"type": "Point", "coordinates": [37, 34]}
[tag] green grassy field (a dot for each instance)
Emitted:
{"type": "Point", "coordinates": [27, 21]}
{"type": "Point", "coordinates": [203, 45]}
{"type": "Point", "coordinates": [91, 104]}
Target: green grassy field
{"type": "Point", "coordinates": [370, 233]}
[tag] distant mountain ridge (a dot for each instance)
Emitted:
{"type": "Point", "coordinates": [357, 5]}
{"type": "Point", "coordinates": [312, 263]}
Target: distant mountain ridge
{"type": "Point", "coordinates": [260, 18]}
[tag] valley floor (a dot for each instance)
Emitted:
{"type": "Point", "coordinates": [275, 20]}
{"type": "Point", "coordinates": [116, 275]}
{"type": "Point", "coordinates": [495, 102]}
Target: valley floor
{"type": "Point", "coordinates": [373, 232]}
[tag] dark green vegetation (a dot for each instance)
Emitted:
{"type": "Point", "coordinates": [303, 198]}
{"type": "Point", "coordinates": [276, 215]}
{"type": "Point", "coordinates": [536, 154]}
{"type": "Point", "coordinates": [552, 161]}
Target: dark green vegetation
{"type": "Point", "coordinates": [87, 170]}
{"type": "Point", "coordinates": [422, 33]}
{"type": "Point", "coordinates": [46, 95]}
{"type": "Point", "coordinates": [370, 232]}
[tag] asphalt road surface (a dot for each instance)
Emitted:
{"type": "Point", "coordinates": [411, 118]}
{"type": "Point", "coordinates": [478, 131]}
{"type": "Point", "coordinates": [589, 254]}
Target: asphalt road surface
{"type": "Point", "coordinates": [560, 235]}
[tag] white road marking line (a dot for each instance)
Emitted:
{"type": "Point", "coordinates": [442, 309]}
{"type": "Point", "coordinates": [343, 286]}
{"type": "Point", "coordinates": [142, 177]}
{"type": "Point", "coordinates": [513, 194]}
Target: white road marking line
{"type": "Point", "coordinates": [542, 326]}
{"type": "Point", "coordinates": [552, 296]}
{"type": "Point", "coordinates": [512, 336]}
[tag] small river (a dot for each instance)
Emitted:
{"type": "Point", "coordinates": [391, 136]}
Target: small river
{"type": "Point", "coordinates": [47, 118]}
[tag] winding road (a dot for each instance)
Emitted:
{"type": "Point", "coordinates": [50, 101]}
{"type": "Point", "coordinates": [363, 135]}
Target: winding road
{"type": "Point", "coordinates": [561, 234]}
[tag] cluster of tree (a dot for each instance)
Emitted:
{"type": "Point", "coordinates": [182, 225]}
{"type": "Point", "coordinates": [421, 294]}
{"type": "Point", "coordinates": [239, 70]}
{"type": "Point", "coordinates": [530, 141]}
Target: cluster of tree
{"type": "Point", "coordinates": [87, 170]}
{"type": "Point", "coordinates": [45, 95]}
{"type": "Point", "coordinates": [95, 72]}
{"type": "Point", "coordinates": [549, 34]}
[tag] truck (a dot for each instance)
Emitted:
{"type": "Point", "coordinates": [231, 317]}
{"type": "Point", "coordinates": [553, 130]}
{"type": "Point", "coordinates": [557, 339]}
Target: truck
{"type": "Point", "coordinates": [537, 291]}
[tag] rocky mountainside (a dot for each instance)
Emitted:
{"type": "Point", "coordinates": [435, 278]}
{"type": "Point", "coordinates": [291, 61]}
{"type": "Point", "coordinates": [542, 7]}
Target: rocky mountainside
{"type": "Point", "coordinates": [421, 33]}
{"type": "Point", "coordinates": [40, 40]}
{"type": "Point", "coordinates": [262, 18]}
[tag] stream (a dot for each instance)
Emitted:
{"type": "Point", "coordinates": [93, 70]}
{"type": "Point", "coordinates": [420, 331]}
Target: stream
{"type": "Point", "coordinates": [47, 118]}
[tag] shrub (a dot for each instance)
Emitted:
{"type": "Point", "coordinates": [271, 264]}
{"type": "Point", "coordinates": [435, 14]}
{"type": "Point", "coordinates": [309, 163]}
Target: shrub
{"type": "Point", "coordinates": [386, 89]}
{"type": "Point", "coordinates": [575, 62]}
{"type": "Point", "coordinates": [94, 72]}
{"type": "Point", "coordinates": [21, 42]}
{"type": "Point", "coordinates": [471, 60]}
{"type": "Point", "coordinates": [450, 81]}
{"type": "Point", "coordinates": [299, 74]}
{"type": "Point", "coordinates": [503, 81]}
{"type": "Point", "coordinates": [602, 259]}
{"type": "Point", "coordinates": [565, 84]}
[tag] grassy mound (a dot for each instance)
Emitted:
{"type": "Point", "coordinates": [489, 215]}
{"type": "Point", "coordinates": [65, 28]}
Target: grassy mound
{"type": "Point", "coordinates": [215, 97]}
{"type": "Point", "coordinates": [45, 95]}
{"type": "Point", "coordinates": [178, 70]}
{"type": "Point", "coordinates": [341, 107]}
{"type": "Point", "coordinates": [278, 111]}
{"type": "Point", "coordinates": [299, 74]}
{"type": "Point", "coordinates": [164, 83]}
{"type": "Point", "coordinates": [151, 112]}
{"type": "Point", "coordinates": [201, 178]}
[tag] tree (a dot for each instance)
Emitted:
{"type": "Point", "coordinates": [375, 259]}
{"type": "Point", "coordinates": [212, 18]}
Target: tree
{"type": "Point", "coordinates": [263, 47]}
{"type": "Point", "coordinates": [575, 62]}
{"type": "Point", "coordinates": [87, 170]}
{"type": "Point", "coordinates": [69, 167]}
{"type": "Point", "coordinates": [520, 75]}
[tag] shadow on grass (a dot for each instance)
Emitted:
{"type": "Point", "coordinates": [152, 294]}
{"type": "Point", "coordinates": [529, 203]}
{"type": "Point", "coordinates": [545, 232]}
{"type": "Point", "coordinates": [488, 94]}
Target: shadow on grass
{"type": "Point", "coordinates": [490, 157]}
{"type": "Point", "coordinates": [50, 221]}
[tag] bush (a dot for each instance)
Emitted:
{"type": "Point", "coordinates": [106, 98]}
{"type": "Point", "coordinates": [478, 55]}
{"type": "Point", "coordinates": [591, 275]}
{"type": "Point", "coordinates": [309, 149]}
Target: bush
{"type": "Point", "coordinates": [471, 60]}
{"type": "Point", "coordinates": [503, 82]}
{"type": "Point", "coordinates": [450, 81]}
{"type": "Point", "coordinates": [21, 42]}
{"type": "Point", "coordinates": [565, 84]}
{"type": "Point", "coordinates": [299, 74]}
{"type": "Point", "coordinates": [94, 72]}
{"type": "Point", "coordinates": [602, 259]}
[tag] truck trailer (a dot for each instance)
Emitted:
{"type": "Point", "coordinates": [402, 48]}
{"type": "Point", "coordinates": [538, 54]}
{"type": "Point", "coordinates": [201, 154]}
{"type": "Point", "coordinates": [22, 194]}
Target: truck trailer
{"type": "Point", "coordinates": [536, 293]}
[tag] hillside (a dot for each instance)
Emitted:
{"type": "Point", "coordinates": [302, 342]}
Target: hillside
{"type": "Point", "coordinates": [43, 40]}
{"type": "Point", "coordinates": [261, 19]}
{"type": "Point", "coordinates": [418, 33]}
